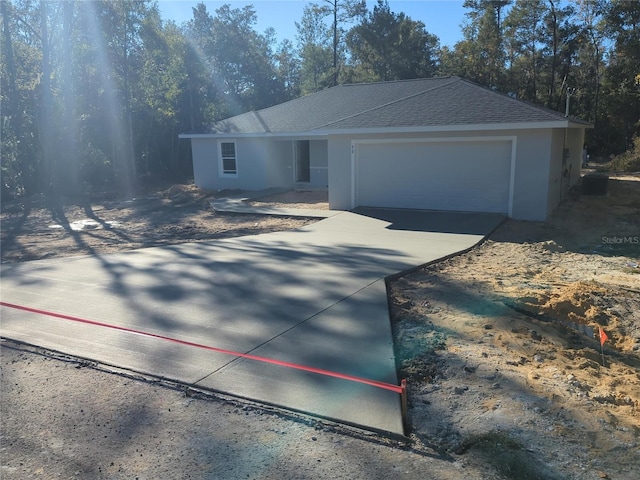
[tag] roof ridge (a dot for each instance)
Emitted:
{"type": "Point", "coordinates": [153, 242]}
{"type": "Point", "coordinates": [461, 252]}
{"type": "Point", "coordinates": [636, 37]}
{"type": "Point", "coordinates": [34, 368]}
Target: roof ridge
{"type": "Point", "coordinates": [403, 80]}
{"type": "Point", "coordinates": [452, 80]}
{"type": "Point", "coordinates": [521, 101]}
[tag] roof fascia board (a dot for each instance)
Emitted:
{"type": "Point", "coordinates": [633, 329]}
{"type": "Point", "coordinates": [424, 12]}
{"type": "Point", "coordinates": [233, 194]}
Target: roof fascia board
{"type": "Point", "coordinates": [254, 135]}
{"type": "Point", "coordinates": [389, 130]}
{"type": "Point", "coordinates": [457, 128]}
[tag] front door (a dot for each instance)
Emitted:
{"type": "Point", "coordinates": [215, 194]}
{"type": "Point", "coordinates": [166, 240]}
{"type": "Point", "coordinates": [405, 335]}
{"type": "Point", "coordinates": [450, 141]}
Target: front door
{"type": "Point", "coordinates": [302, 161]}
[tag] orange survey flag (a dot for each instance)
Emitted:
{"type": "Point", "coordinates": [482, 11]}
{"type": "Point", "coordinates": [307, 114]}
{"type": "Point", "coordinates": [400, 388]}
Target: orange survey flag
{"type": "Point", "coordinates": [603, 337]}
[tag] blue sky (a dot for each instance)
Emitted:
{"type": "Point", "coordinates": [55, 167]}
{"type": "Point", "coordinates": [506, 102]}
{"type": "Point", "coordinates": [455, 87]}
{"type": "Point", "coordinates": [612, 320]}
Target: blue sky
{"type": "Point", "coordinates": [441, 17]}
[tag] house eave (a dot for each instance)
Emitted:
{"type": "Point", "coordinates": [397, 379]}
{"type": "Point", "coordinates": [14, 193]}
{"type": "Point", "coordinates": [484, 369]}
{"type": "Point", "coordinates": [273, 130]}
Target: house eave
{"type": "Point", "coordinates": [254, 135]}
{"type": "Point", "coordinates": [459, 128]}
{"type": "Point", "coordinates": [568, 123]}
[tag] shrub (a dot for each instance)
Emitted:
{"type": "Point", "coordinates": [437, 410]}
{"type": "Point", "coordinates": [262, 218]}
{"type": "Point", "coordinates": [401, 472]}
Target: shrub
{"type": "Point", "coordinates": [628, 161]}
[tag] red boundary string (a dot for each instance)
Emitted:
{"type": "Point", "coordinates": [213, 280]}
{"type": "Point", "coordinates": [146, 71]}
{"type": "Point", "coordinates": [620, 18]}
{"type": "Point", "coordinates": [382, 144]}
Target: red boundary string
{"type": "Point", "coordinates": [319, 371]}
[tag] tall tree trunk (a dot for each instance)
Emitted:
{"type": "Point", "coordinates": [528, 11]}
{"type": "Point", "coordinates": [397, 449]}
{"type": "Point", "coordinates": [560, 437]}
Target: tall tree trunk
{"type": "Point", "coordinates": [554, 57]}
{"type": "Point", "coordinates": [128, 170]}
{"type": "Point", "coordinates": [12, 94]}
{"type": "Point", "coordinates": [534, 73]}
{"type": "Point", "coordinates": [335, 43]}
{"type": "Point", "coordinates": [14, 162]}
{"type": "Point", "coordinates": [68, 173]}
{"type": "Point", "coordinates": [13, 101]}
{"type": "Point", "coordinates": [596, 47]}
{"type": "Point", "coordinates": [45, 126]}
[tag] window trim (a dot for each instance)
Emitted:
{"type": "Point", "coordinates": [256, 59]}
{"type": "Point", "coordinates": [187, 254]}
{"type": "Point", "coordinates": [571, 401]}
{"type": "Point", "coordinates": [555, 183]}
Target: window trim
{"type": "Point", "coordinates": [222, 158]}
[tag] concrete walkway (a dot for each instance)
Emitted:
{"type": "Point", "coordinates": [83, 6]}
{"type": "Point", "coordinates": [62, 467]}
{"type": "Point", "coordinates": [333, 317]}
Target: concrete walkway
{"type": "Point", "coordinates": [315, 296]}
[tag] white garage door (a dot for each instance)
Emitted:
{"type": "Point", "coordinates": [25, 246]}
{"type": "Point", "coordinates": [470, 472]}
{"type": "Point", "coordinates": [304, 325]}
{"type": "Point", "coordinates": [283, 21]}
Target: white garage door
{"type": "Point", "coordinates": [459, 175]}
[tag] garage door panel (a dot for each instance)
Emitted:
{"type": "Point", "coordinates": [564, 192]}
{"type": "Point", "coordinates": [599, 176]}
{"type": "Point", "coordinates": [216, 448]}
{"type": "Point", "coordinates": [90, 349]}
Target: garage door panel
{"type": "Point", "coordinates": [462, 176]}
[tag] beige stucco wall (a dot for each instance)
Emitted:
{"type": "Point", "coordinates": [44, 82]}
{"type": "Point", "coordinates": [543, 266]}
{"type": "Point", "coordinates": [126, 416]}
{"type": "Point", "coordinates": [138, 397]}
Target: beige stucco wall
{"type": "Point", "coordinates": [531, 175]}
{"type": "Point", "coordinates": [558, 177]}
{"type": "Point", "coordinates": [575, 143]}
{"type": "Point", "coordinates": [205, 164]}
{"type": "Point", "coordinates": [564, 172]}
{"type": "Point", "coordinates": [539, 177]}
{"type": "Point", "coordinates": [262, 163]}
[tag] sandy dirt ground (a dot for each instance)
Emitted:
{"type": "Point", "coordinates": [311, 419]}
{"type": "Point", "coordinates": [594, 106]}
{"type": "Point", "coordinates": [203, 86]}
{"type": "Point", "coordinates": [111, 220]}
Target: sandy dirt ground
{"type": "Point", "coordinates": [312, 199]}
{"type": "Point", "coordinates": [37, 228]}
{"type": "Point", "coordinates": [499, 345]}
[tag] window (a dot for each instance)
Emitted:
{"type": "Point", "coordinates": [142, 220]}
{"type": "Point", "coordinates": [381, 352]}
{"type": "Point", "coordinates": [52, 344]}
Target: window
{"type": "Point", "coordinates": [228, 165]}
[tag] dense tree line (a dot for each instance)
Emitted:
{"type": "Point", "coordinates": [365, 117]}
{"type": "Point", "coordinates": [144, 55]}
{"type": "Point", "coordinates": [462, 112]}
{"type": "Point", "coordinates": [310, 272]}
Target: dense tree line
{"type": "Point", "coordinates": [94, 94]}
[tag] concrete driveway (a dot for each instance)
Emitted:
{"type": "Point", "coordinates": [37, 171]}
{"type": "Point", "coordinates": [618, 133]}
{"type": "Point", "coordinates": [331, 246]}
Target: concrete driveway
{"type": "Point", "coordinates": [314, 297]}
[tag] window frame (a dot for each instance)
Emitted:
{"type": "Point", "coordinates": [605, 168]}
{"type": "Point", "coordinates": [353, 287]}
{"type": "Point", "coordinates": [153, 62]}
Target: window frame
{"type": "Point", "coordinates": [222, 157]}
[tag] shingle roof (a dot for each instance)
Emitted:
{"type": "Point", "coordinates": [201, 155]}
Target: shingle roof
{"type": "Point", "coordinates": [408, 103]}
